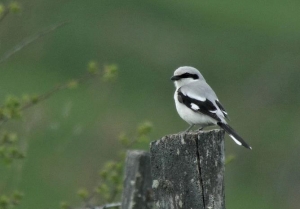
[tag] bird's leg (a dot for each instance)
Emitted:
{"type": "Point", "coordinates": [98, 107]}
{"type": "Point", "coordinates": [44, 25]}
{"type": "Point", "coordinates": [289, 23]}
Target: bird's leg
{"type": "Point", "coordinates": [182, 134]}
{"type": "Point", "coordinates": [189, 128]}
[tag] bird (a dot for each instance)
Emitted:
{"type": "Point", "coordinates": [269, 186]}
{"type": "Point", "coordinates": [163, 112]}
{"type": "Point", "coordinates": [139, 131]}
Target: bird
{"type": "Point", "coordinates": [197, 103]}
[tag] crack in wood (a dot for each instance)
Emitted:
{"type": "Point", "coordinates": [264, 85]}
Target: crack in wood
{"type": "Point", "coordinates": [200, 172]}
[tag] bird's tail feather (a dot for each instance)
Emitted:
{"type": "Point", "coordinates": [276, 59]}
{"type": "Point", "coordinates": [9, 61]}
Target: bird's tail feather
{"type": "Point", "coordinates": [236, 138]}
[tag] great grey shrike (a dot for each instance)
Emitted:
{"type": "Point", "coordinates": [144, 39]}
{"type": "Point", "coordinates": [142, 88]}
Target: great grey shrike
{"type": "Point", "coordinates": [197, 103]}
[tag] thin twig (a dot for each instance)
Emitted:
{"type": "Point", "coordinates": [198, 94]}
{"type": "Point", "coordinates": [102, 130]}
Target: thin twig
{"type": "Point", "coordinates": [88, 200]}
{"type": "Point", "coordinates": [4, 14]}
{"type": "Point", "coordinates": [49, 93]}
{"type": "Point", "coordinates": [30, 40]}
{"type": "Point", "coordinates": [114, 193]}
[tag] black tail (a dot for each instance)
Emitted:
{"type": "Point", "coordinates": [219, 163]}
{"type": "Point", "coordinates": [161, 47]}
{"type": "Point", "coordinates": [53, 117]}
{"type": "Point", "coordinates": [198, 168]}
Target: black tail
{"type": "Point", "coordinates": [236, 138]}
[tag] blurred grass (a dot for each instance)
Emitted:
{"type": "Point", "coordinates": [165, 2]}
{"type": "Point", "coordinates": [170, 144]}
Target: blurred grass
{"type": "Point", "coordinates": [248, 52]}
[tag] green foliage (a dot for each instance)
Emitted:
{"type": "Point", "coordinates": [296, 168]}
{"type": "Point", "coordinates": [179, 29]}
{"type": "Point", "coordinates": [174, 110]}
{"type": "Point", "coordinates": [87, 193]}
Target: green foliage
{"type": "Point", "coordinates": [14, 7]}
{"type": "Point", "coordinates": [9, 149]}
{"type": "Point", "coordinates": [11, 108]}
{"type": "Point", "coordinates": [111, 179]}
{"type": "Point", "coordinates": [124, 140]}
{"type": "Point", "coordinates": [110, 72]}
{"type": "Point", "coordinates": [111, 174]}
{"type": "Point", "coordinates": [229, 159]}
{"type": "Point", "coordinates": [83, 194]}
{"type": "Point", "coordinates": [34, 99]}
{"type": "Point", "coordinates": [144, 128]}
{"type": "Point", "coordinates": [7, 202]}
{"type": "Point", "coordinates": [142, 132]}
{"type": "Point", "coordinates": [93, 67]}
{"type": "Point", "coordinates": [73, 84]}
{"type": "Point", "coordinates": [65, 205]}
{"type": "Point", "coordinates": [2, 9]}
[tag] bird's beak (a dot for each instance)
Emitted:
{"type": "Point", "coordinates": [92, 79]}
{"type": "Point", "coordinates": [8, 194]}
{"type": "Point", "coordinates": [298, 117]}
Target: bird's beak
{"type": "Point", "coordinates": [174, 78]}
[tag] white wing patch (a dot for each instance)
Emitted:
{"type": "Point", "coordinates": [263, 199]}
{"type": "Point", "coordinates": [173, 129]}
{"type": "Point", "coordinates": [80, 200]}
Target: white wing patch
{"type": "Point", "coordinates": [194, 106]}
{"type": "Point", "coordinates": [213, 111]}
{"type": "Point", "coordinates": [235, 140]}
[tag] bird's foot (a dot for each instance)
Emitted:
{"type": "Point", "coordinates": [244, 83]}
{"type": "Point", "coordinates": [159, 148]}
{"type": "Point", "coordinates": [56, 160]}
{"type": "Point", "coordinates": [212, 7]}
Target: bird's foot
{"type": "Point", "coordinates": [189, 128]}
{"type": "Point", "coordinates": [200, 129]}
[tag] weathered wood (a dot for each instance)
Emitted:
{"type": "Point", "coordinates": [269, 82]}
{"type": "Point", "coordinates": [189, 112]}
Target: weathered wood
{"type": "Point", "coordinates": [188, 171]}
{"type": "Point", "coordinates": [137, 184]}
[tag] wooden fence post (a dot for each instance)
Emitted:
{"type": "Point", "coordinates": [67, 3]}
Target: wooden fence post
{"type": "Point", "coordinates": [188, 171]}
{"type": "Point", "coordinates": [137, 192]}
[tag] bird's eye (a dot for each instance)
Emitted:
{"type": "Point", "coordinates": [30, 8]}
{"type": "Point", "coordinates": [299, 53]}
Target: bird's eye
{"type": "Point", "coordinates": [189, 75]}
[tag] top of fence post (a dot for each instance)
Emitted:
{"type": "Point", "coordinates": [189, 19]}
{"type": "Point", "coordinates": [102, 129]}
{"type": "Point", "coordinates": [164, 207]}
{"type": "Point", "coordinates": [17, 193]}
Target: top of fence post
{"type": "Point", "coordinates": [188, 170]}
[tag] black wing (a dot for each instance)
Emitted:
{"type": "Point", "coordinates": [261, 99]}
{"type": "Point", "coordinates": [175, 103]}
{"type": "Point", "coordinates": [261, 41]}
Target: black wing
{"type": "Point", "coordinates": [205, 107]}
{"type": "Point", "coordinates": [222, 109]}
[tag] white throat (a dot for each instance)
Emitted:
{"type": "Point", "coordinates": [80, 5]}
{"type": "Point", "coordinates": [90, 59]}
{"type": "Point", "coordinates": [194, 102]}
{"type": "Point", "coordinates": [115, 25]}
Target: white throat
{"type": "Point", "coordinates": [183, 82]}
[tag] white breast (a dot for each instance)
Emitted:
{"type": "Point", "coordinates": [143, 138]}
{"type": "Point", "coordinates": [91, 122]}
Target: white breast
{"type": "Point", "coordinates": [191, 116]}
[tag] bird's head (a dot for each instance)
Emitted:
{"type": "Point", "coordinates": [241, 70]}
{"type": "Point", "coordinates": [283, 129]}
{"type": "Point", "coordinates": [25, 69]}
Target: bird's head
{"type": "Point", "coordinates": [185, 75]}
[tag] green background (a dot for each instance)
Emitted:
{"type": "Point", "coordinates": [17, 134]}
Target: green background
{"type": "Point", "coordinates": [248, 51]}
